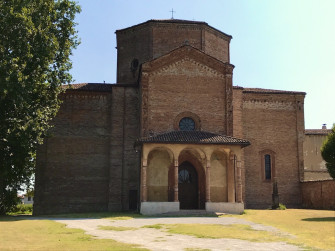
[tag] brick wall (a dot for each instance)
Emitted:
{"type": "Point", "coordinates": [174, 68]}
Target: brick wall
{"type": "Point", "coordinates": [89, 162]}
{"type": "Point", "coordinates": [315, 166]}
{"type": "Point", "coordinates": [153, 39]}
{"type": "Point", "coordinates": [273, 122]}
{"type": "Point", "coordinates": [318, 194]}
{"type": "Point", "coordinates": [72, 164]}
{"type": "Point", "coordinates": [181, 82]}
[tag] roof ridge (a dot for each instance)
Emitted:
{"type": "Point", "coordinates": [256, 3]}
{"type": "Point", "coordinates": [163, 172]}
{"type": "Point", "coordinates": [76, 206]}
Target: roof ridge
{"type": "Point", "coordinates": [193, 137]}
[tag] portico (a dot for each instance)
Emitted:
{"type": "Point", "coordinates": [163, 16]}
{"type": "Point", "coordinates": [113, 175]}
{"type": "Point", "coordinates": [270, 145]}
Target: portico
{"type": "Point", "coordinates": [191, 170]}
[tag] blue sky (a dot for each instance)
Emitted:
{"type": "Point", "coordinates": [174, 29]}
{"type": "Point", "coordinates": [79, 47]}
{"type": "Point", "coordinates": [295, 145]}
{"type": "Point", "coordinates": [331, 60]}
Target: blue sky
{"type": "Point", "coordinates": [277, 44]}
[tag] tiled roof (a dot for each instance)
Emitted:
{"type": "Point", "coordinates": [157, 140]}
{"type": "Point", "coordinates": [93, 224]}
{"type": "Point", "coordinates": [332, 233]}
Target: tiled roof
{"type": "Point", "coordinates": [94, 86]}
{"type": "Point", "coordinates": [194, 137]}
{"type": "Point", "coordinates": [317, 131]}
{"type": "Point", "coordinates": [270, 91]}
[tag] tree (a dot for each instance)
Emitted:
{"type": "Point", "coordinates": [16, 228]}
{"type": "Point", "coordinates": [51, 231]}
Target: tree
{"type": "Point", "coordinates": [328, 152]}
{"type": "Point", "coordinates": [36, 40]}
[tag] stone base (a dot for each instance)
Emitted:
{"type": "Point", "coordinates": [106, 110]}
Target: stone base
{"type": "Point", "coordinates": [225, 207]}
{"type": "Point", "coordinates": [150, 208]}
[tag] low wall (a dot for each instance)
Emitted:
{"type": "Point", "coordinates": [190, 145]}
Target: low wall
{"type": "Point", "coordinates": [318, 194]}
{"type": "Point", "coordinates": [150, 208]}
{"type": "Point", "coordinates": [225, 207]}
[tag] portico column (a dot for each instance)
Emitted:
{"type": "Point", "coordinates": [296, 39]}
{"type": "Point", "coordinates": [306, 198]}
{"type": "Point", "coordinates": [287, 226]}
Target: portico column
{"type": "Point", "coordinates": [239, 181]}
{"type": "Point", "coordinates": [208, 181]}
{"type": "Point", "coordinates": [231, 177]}
{"type": "Point", "coordinates": [176, 181]}
{"type": "Point", "coordinates": [144, 180]}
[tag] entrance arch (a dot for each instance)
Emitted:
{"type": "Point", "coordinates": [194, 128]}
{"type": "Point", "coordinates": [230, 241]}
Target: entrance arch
{"type": "Point", "coordinates": [188, 186]}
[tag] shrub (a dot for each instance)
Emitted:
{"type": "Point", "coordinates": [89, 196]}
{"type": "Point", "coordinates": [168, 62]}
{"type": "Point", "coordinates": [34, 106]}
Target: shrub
{"type": "Point", "coordinates": [22, 209]}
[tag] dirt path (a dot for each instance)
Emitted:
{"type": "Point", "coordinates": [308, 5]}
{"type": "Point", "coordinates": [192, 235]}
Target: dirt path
{"type": "Point", "coordinates": [156, 239]}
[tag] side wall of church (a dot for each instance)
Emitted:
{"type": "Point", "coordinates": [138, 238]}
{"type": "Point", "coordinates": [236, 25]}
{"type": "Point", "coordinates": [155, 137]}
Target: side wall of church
{"type": "Point", "coordinates": [274, 124]}
{"type": "Point", "coordinates": [89, 162]}
{"type": "Point", "coordinates": [124, 169]}
{"type": "Point", "coordinates": [238, 127]}
{"type": "Point", "coordinates": [72, 164]}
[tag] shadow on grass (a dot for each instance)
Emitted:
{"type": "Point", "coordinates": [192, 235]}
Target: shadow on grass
{"type": "Point", "coordinates": [99, 215]}
{"type": "Point", "coordinates": [15, 217]}
{"type": "Point", "coordinates": [92, 215]}
{"type": "Point", "coordinates": [331, 219]}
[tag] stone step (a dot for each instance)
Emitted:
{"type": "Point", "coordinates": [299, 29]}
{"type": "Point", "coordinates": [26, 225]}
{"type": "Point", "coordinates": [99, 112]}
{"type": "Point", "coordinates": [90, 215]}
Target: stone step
{"type": "Point", "coordinates": [189, 213]}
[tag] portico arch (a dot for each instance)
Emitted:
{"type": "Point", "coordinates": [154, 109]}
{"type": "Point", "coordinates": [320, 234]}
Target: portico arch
{"type": "Point", "coordinates": [219, 181]}
{"type": "Point", "coordinates": [196, 159]}
{"type": "Point", "coordinates": [159, 162]}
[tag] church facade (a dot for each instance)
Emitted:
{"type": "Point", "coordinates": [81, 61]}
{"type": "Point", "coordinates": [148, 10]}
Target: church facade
{"type": "Point", "coordinates": [173, 133]}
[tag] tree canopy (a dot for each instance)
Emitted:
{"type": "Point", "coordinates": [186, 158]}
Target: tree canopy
{"type": "Point", "coordinates": [328, 152]}
{"type": "Point", "coordinates": [36, 40]}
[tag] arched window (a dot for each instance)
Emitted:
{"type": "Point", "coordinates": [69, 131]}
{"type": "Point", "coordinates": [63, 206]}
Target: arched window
{"type": "Point", "coordinates": [267, 165]}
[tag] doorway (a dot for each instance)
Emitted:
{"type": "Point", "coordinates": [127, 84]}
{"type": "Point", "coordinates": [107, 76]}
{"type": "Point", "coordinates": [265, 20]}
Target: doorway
{"type": "Point", "coordinates": [188, 186]}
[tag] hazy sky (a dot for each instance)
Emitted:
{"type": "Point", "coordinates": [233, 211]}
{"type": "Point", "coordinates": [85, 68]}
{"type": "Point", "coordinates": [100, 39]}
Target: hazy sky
{"type": "Point", "coordinates": [277, 44]}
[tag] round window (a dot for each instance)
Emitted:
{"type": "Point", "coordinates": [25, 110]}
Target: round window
{"type": "Point", "coordinates": [187, 124]}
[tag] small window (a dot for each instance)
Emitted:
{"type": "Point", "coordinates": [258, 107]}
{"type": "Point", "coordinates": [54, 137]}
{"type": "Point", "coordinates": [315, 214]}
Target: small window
{"type": "Point", "coordinates": [267, 165]}
{"type": "Point", "coordinates": [134, 64]}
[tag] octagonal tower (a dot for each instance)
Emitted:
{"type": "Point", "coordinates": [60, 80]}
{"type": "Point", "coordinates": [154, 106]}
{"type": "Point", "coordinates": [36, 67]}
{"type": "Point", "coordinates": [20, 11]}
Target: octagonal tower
{"type": "Point", "coordinates": [154, 38]}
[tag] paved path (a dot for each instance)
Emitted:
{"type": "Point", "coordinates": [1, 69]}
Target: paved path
{"type": "Point", "coordinates": [156, 239]}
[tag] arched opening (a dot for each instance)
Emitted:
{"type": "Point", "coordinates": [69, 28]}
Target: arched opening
{"type": "Point", "coordinates": [219, 177]}
{"type": "Point", "coordinates": [159, 162]}
{"type": "Point", "coordinates": [188, 186]}
{"type": "Point", "coordinates": [196, 159]}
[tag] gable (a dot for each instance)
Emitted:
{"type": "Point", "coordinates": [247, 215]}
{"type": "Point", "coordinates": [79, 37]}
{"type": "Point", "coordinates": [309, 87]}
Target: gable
{"type": "Point", "coordinates": [187, 59]}
{"type": "Point", "coordinates": [186, 80]}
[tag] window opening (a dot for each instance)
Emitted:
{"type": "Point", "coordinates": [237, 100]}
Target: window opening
{"type": "Point", "coordinates": [187, 124]}
{"type": "Point", "coordinates": [267, 161]}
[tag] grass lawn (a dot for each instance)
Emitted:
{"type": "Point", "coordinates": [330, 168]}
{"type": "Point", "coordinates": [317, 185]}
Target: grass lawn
{"type": "Point", "coordinates": [313, 228]}
{"type": "Point", "coordinates": [234, 231]}
{"type": "Point", "coordinates": [24, 234]}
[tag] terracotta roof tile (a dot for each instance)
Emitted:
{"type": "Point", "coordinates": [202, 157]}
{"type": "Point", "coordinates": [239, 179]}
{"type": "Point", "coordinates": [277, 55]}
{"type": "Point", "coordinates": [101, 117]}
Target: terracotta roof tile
{"type": "Point", "coordinates": [193, 137]}
{"type": "Point", "coordinates": [317, 131]}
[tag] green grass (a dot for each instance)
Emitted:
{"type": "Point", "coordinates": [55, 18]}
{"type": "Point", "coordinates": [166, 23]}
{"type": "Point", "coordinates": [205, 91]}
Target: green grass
{"type": "Point", "coordinates": [215, 231]}
{"type": "Point", "coordinates": [312, 228]}
{"type": "Point", "coordinates": [113, 228]}
{"type": "Point", "coordinates": [98, 215]}
{"type": "Point", "coordinates": [17, 233]}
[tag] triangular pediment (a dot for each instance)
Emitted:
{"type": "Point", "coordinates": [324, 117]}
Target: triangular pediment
{"type": "Point", "coordinates": [187, 59]}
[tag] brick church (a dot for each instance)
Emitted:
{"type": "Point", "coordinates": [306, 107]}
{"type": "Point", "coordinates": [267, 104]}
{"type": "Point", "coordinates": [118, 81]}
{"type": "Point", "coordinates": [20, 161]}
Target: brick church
{"type": "Point", "coordinates": [173, 133]}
